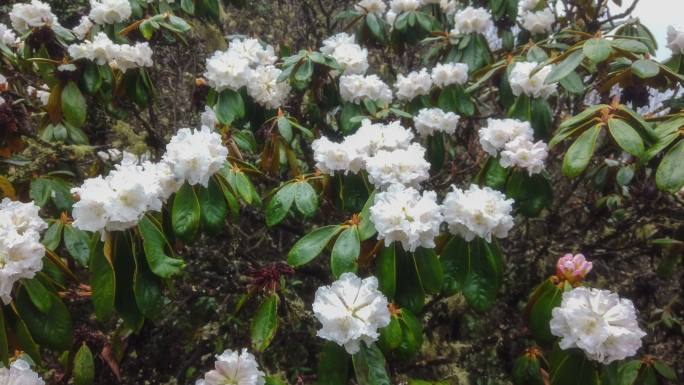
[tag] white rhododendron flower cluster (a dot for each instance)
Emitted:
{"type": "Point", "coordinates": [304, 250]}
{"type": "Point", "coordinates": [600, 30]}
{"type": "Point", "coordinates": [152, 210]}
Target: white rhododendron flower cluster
{"type": "Point", "coordinates": [399, 6]}
{"type": "Point", "coordinates": [675, 40]}
{"type": "Point", "coordinates": [234, 368]}
{"type": "Point", "coordinates": [413, 84]}
{"type": "Point", "coordinates": [514, 140]}
{"type": "Point", "coordinates": [351, 310]}
{"type": "Point", "coordinates": [472, 20]}
{"type": "Point", "coordinates": [352, 154]}
{"type": "Point", "coordinates": [431, 120]}
{"type": "Point", "coordinates": [248, 63]}
{"type": "Point", "coordinates": [598, 322]}
{"type": "Point", "coordinates": [31, 15]}
{"type": "Point", "coordinates": [42, 93]}
{"type": "Point", "coordinates": [110, 11]}
{"type": "Point", "coordinates": [350, 56]}
{"type": "Point", "coordinates": [478, 212]}
{"type": "Point", "coordinates": [406, 167]}
{"type": "Point", "coordinates": [402, 214]}
{"type": "Point", "coordinates": [20, 373]}
{"type": "Point", "coordinates": [356, 88]}
{"type": "Point", "coordinates": [528, 5]}
{"type": "Point", "coordinates": [83, 28]}
{"type": "Point", "coordinates": [21, 253]}
{"type": "Point", "coordinates": [524, 83]}
{"type": "Point", "coordinates": [446, 74]}
{"type": "Point", "coordinates": [7, 36]}
{"type": "Point", "coordinates": [120, 56]}
{"type": "Point", "coordinates": [119, 200]}
{"type": "Point", "coordinates": [538, 22]}
{"type": "Point", "coordinates": [377, 7]}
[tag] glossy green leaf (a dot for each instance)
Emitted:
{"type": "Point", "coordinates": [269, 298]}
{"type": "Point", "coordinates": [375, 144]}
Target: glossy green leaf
{"type": "Point", "coordinates": [333, 365]}
{"type": "Point", "coordinates": [386, 270]}
{"type": "Point", "coordinates": [155, 245]}
{"type": "Point", "coordinates": [280, 204]}
{"type": "Point", "coordinates": [124, 268]}
{"type": "Point", "coordinates": [545, 298]}
{"type": "Point", "coordinates": [645, 68]}
{"type": "Point", "coordinates": [265, 323]}
{"type": "Point", "coordinates": [409, 288]}
{"type": "Point", "coordinates": [39, 295]}
{"type": "Point", "coordinates": [670, 173]}
{"type": "Point", "coordinates": [630, 45]}
{"type": "Point", "coordinates": [229, 106]}
{"type": "Point", "coordinates": [527, 371]}
{"type": "Point", "coordinates": [213, 207]}
{"type": "Point", "coordinates": [580, 152]}
{"type": "Point", "coordinates": [84, 366]}
{"type": "Point", "coordinates": [53, 235]}
{"type": "Point", "coordinates": [531, 193]}
{"type": "Point", "coordinates": [626, 137]}
{"type": "Point", "coordinates": [52, 329]}
{"type": "Point", "coordinates": [306, 199]}
{"type": "Point", "coordinates": [147, 287]}
{"type": "Point", "coordinates": [597, 49]}
{"type": "Point", "coordinates": [102, 279]}
{"type": "Point", "coordinates": [429, 270]}
{"type": "Point", "coordinates": [412, 335]}
{"type": "Point", "coordinates": [345, 252]}
{"type": "Point", "coordinates": [570, 367]}
{"type": "Point", "coordinates": [565, 67]}
{"type": "Point", "coordinates": [369, 366]}
{"type": "Point", "coordinates": [366, 226]}
{"type": "Point", "coordinates": [311, 245]}
{"type": "Point", "coordinates": [74, 105]}
{"type": "Point", "coordinates": [391, 335]}
{"type": "Point", "coordinates": [77, 243]}
{"type": "Point", "coordinates": [186, 213]}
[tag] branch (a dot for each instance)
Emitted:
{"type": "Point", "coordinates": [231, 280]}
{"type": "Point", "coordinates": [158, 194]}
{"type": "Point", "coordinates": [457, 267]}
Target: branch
{"type": "Point", "coordinates": [627, 12]}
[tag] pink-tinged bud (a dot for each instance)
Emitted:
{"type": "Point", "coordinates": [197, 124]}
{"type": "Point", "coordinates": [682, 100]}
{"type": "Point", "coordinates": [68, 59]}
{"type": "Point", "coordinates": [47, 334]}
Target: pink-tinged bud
{"type": "Point", "coordinates": [573, 268]}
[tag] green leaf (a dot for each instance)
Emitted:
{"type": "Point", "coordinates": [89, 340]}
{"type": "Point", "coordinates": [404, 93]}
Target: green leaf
{"type": "Point", "coordinates": [369, 366]}
{"type": "Point", "coordinates": [569, 367]}
{"type": "Point", "coordinates": [670, 174]}
{"type": "Point", "coordinates": [345, 252]}
{"type": "Point", "coordinates": [626, 137]}
{"type": "Point", "coordinates": [386, 270]}
{"type": "Point", "coordinates": [265, 323]}
{"type": "Point", "coordinates": [409, 288]}
{"type": "Point", "coordinates": [333, 365]}
{"type": "Point", "coordinates": [544, 299]}
{"type": "Point", "coordinates": [229, 106]}
{"type": "Point", "coordinates": [580, 152]}
{"type": "Point", "coordinates": [52, 329]}
{"type": "Point", "coordinates": [102, 279]}
{"type": "Point", "coordinates": [630, 45]}
{"type": "Point", "coordinates": [53, 235]}
{"type": "Point", "coordinates": [573, 83]}
{"type": "Point", "coordinates": [664, 370]}
{"type": "Point", "coordinates": [645, 68]}
{"type": "Point", "coordinates": [366, 226]}
{"type": "Point", "coordinates": [91, 78]}
{"type": "Point", "coordinates": [186, 213]}
{"type": "Point", "coordinates": [565, 67]}
{"type": "Point", "coordinates": [375, 26]}
{"type": "Point", "coordinates": [391, 335]}
{"type": "Point", "coordinates": [84, 366]}
{"type": "Point", "coordinates": [280, 204]}
{"type": "Point", "coordinates": [412, 335]}
{"type": "Point", "coordinates": [527, 371]}
{"type": "Point", "coordinates": [147, 287]}
{"type": "Point", "coordinates": [493, 174]}
{"type": "Point", "coordinates": [188, 6]}
{"type": "Point", "coordinates": [245, 188]}
{"type": "Point", "coordinates": [429, 270]}
{"type": "Point", "coordinates": [40, 296]}
{"type": "Point", "coordinates": [25, 340]}
{"type": "Point", "coordinates": [541, 117]}
{"type": "Point", "coordinates": [285, 128]}
{"type": "Point", "coordinates": [124, 268]}
{"type": "Point", "coordinates": [4, 349]}
{"type": "Point", "coordinates": [531, 193]}
{"type": "Point", "coordinates": [40, 191]}
{"type": "Point", "coordinates": [77, 243]}
{"type": "Point", "coordinates": [306, 199]}
{"type": "Point", "coordinates": [305, 71]}
{"type": "Point", "coordinates": [155, 245]}
{"type": "Point", "coordinates": [74, 105]}
{"type": "Point", "coordinates": [621, 373]}
{"type": "Point", "coordinates": [311, 245]}
{"type": "Point", "coordinates": [597, 49]}
{"type": "Point", "coordinates": [453, 253]}
{"type": "Point", "coordinates": [213, 207]}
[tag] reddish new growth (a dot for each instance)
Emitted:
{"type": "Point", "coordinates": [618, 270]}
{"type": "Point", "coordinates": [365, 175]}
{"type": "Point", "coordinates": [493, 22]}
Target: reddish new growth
{"type": "Point", "coordinates": [267, 278]}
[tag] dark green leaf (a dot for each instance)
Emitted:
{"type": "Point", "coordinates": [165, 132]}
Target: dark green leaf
{"type": "Point", "coordinates": [366, 226]}
{"type": "Point", "coordinates": [213, 207]}
{"type": "Point", "coordinates": [39, 295]}
{"type": "Point", "coordinates": [311, 245]}
{"type": "Point", "coordinates": [74, 105]}
{"type": "Point", "coordinates": [565, 67]}
{"type": "Point", "coordinates": [52, 329]}
{"type": "Point", "coordinates": [544, 299]}
{"type": "Point", "coordinates": [670, 174]}
{"type": "Point", "coordinates": [77, 243]}
{"type": "Point", "coordinates": [102, 279]}
{"type": "Point", "coordinates": [369, 366]}
{"type": "Point", "coordinates": [155, 245]}
{"type": "Point", "coordinates": [84, 366]}
{"type": "Point", "coordinates": [280, 204]}
{"type": "Point", "coordinates": [186, 213]}
{"type": "Point", "coordinates": [626, 137]}
{"type": "Point", "coordinates": [306, 198]}
{"type": "Point", "coordinates": [147, 287]}
{"type": "Point", "coordinates": [333, 365]}
{"type": "Point", "coordinates": [579, 154]}
{"type": "Point", "coordinates": [531, 193]}
{"type": "Point", "coordinates": [53, 235]}
{"type": "Point", "coordinates": [569, 367]}
{"type": "Point", "coordinates": [429, 270]}
{"type": "Point", "coordinates": [345, 252]}
{"type": "Point", "coordinates": [265, 323]}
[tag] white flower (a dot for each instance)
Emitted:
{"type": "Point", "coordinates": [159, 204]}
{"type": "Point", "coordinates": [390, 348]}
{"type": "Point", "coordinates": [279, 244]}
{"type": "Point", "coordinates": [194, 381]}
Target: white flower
{"type": "Point", "coordinates": [399, 6]}
{"type": "Point", "coordinates": [414, 84]}
{"type": "Point", "coordinates": [351, 310]}
{"type": "Point", "coordinates": [473, 20]}
{"type": "Point", "coordinates": [127, 57]}
{"type": "Point", "coordinates": [109, 11]}
{"type": "Point", "coordinates": [498, 132]}
{"type": "Point", "coordinates": [449, 7]}
{"type": "Point", "coordinates": [528, 5]}
{"type": "Point", "coordinates": [331, 157]}
{"type": "Point", "coordinates": [42, 93]}
{"type": "Point", "coordinates": [402, 166]}
{"type": "Point", "coordinates": [208, 118]}
{"type": "Point", "coordinates": [402, 214]}
{"type": "Point", "coordinates": [599, 322]}
{"type": "Point", "coordinates": [522, 152]}
{"type": "Point", "coordinates": [538, 22]}
{"type": "Point", "coordinates": [371, 6]}
{"type": "Point", "coordinates": [431, 120]}
{"type": "Point", "coordinates": [447, 74]}
{"type": "Point", "coordinates": [373, 137]}
{"type": "Point", "coordinates": [351, 57]}
{"type": "Point", "coordinates": [196, 155]}
{"type": "Point", "coordinates": [20, 373]}
{"type": "Point", "coordinates": [265, 89]}
{"type": "Point", "coordinates": [163, 175]}
{"type": "Point", "coordinates": [7, 36]}
{"type": "Point", "coordinates": [90, 213]}
{"type": "Point", "coordinates": [253, 51]}
{"type": "Point", "coordinates": [227, 70]}
{"type": "Point", "coordinates": [390, 17]}
{"type": "Point", "coordinates": [534, 86]}
{"type": "Point", "coordinates": [23, 217]}
{"type": "Point", "coordinates": [675, 40]}
{"type": "Point", "coordinates": [334, 41]}
{"type": "Point", "coordinates": [120, 56]}
{"type": "Point", "coordinates": [478, 212]}
{"type": "Point", "coordinates": [66, 67]}
{"type": "Point", "coordinates": [235, 368]}
{"type": "Point", "coordinates": [31, 15]}
{"type": "Point", "coordinates": [83, 28]}
{"type": "Point", "coordinates": [110, 155]}
{"type": "Point", "coordinates": [21, 253]}
{"type": "Point", "coordinates": [355, 88]}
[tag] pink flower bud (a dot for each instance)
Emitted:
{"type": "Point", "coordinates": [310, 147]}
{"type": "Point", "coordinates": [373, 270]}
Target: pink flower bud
{"type": "Point", "coordinates": [573, 267]}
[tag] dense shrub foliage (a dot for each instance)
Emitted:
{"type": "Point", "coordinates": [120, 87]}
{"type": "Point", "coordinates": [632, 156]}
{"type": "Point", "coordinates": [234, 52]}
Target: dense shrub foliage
{"type": "Point", "coordinates": [402, 152]}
